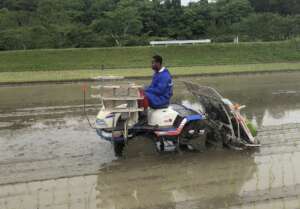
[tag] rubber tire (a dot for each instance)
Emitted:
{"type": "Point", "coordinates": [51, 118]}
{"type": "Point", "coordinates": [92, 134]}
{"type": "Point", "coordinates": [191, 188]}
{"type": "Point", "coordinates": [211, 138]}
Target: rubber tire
{"type": "Point", "coordinates": [198, 147]}
{"type": "Point", "coordinates": [119, 148]}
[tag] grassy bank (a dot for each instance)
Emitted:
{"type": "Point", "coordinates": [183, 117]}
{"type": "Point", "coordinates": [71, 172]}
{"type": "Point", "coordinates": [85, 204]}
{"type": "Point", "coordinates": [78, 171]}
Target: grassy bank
{"type": "Point", "coordinates": [31, 76]}
{"type": "Point", "coordinates": [139, 57]}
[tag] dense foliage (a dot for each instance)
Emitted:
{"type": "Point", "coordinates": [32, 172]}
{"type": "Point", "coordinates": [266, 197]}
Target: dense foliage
{"type": "Point", "coordinates": [29, 24]}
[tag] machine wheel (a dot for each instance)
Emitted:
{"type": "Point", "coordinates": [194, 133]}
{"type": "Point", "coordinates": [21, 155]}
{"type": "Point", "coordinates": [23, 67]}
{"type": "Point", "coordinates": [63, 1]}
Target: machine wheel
{"type": "Point", "coordinates": [198, 144]}
{"type": "Point", "coordinates": [119, 145]}
{"type": "Point", "coordinates": [191, 136]}
{"type": "Point", "coordinates": [119, 148]}
{"type": "Point", "coordinates": [215, 139]}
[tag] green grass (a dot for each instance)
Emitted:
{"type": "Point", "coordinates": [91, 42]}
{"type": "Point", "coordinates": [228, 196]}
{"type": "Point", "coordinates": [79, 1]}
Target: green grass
{"type": "Point", "coordinates": [78, 64]}
{"type": "Point", "coordinates": [29, 76]}
{"type": "Point", "coordinates": [140, 57]}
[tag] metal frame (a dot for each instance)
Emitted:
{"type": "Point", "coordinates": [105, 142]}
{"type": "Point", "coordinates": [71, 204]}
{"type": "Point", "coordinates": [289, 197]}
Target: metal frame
{"type": "Point", "coordinates": [112, 99]}
{"type": "Point", "coordinates": [212, 94]}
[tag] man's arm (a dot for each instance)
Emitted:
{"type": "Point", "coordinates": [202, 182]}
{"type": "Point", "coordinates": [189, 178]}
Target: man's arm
{"type": "Point", "coordinates": [160, 86]}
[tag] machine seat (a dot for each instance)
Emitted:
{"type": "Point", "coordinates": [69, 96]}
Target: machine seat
{"type": "Point", "coordinates": [159, 108]}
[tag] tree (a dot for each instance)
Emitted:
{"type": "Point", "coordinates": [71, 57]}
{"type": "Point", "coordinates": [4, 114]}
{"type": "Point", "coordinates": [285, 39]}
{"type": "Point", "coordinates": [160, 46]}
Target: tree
{"type": "Point", "coordinates": [52, 12]}
{"type": "Point", "coordinates": [277, 6]}
{"type": "Point", "coordinates": [196, 20]}
{"type": "Point", "coordinates": [30, 24]}
{"type": "Point", "coordinates": [119, 23]}
{"type": "Point", "coordinates": [295, 25]}
{"type": "Point", "coordinates": [231, 11]}
{"type": "Point", "coordinates": [20, 5]}
{"type": "Point", "coordinates": [266, 27]}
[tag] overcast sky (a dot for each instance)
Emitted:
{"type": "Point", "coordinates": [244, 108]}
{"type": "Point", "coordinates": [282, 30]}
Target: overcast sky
{"type": "Point", "coordinates": [185, 2]}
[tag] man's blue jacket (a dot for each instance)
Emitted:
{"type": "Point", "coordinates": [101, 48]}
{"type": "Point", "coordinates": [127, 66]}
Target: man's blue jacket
{"type": "Point", "coordinates": [160, 91]}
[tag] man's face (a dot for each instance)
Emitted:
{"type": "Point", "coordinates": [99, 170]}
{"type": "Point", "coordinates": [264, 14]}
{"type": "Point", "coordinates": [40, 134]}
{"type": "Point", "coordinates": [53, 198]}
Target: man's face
{"type": "Point", "coordinates": [156, 65]}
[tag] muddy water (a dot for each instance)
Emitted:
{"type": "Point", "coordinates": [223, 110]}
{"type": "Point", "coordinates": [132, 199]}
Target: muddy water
{"type": "Point", "coordinates": [50, 158]}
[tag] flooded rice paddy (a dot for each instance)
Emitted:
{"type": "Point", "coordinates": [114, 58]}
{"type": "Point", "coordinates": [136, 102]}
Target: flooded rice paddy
{"type": "Point", "coordinates": [51, 158]}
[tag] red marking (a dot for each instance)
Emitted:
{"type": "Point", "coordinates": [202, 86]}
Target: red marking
{"type": "Point", "coordinates": [171, 133]}
{"type": "Point", "coordinates": [144, 102]}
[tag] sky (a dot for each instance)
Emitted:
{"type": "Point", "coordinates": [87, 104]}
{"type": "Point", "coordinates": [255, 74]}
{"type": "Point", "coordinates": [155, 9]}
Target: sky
{"type": "Point", "coordinates": [186, 2]}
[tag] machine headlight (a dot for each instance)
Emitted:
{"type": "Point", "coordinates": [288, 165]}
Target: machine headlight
{"type": "Point", "coordinates": [100, 122]}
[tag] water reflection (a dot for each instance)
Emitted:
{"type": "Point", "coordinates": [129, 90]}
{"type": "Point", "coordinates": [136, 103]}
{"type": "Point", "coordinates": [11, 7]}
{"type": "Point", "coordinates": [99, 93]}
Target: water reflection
{"type": "Point", "coordinates": [71, 193]}
{"type": "Point", "coordinates": [221, 179]}
{"type": "Point", "coordinates": [213, 180]}
{"type": "Point", "coordinates": [148, 182]}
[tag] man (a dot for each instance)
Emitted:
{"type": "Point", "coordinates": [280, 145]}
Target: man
{"type": "Point", "coordinates": [160, 91]}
